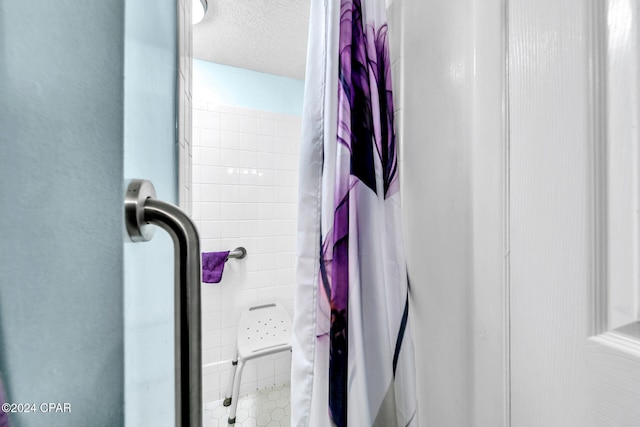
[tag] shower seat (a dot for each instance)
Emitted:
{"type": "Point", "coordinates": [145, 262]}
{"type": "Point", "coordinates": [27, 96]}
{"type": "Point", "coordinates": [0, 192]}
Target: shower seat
{"type": "Point", "coordinates": [263, 330]}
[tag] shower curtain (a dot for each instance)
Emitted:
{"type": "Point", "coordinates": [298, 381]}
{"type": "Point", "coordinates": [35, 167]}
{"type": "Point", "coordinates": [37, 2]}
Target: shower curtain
{"type": "Point", "coordinates": [353, 358]}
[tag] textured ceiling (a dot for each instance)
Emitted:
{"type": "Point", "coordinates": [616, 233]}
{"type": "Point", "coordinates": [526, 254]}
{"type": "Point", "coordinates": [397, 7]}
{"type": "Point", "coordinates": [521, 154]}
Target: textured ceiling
{"type": "Point", "coordinates": [269, 36]}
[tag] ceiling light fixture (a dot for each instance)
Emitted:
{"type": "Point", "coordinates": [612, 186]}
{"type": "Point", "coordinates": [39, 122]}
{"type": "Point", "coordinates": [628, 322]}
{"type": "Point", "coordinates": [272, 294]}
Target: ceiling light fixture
{"type": "Point", "coordinates": [198, 9]}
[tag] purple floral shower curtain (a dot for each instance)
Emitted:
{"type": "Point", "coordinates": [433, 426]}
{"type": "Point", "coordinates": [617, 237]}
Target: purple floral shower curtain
{"type": "Point", "coordinates": [353, 361]}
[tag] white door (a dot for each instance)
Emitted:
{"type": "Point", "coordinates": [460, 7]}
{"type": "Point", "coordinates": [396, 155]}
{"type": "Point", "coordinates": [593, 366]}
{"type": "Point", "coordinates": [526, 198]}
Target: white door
{"type": "Point", "coordinates": [574, 208]}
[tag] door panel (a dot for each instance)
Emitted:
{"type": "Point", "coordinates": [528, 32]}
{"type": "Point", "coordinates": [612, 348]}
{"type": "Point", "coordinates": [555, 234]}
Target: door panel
{"type": "Point", "coordinates": [621, 180]}
{"type": "Point", "coordinates": [614, 349]}
{"type": "Point", "coordinates": [574, 213]}
{"type": "Point", "coordinates": [548, 98]}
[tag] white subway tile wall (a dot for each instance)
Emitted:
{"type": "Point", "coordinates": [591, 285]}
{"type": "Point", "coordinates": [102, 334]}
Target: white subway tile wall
{"type": "Point", "coordinates": [185, 152]}
{"type": "Point", "coordinates": [245, 189]}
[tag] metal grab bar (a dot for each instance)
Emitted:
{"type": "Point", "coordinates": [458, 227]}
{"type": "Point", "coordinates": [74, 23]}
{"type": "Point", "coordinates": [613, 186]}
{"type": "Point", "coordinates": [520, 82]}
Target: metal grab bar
{"type": "Point", "coordinates": [141, 208]}
{"type": "Point", "coordinates": [238, 253]}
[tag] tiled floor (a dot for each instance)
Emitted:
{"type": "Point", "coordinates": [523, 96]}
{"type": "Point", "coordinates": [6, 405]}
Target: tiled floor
{"type": "Point", "coordinates": [269, 407]}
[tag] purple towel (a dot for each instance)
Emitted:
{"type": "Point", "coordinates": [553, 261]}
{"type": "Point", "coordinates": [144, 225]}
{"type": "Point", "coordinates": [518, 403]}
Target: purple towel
{"type": "Point", "coordinates": [212, 266]}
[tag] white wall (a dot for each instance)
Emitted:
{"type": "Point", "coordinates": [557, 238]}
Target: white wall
{"type": "Point", "coordinates": [437, 203]}
{"type": "Point", "coordinates": [245, 174]}
{"type": "Point", "coordinates": [61, 314]}
{"type": "Point", "coordinates": [453, 184]}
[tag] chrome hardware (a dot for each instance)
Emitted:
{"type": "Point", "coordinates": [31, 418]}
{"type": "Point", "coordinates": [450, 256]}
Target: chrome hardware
{"type": "Point", "coordinates": [238, 253]}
